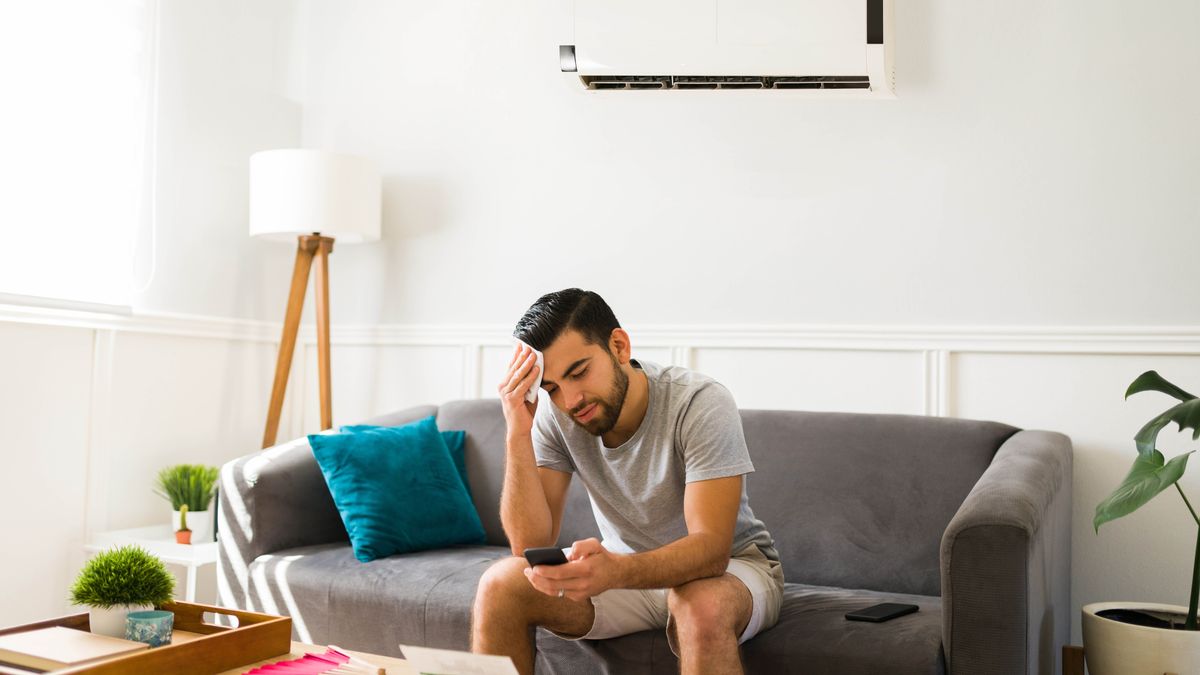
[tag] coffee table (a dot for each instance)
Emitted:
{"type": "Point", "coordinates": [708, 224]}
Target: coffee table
{"type": "Point", "coordinates": [393, 665]}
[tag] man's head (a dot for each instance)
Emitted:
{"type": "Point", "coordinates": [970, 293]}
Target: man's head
{"type": "Point", "coordinates": [586, 352]}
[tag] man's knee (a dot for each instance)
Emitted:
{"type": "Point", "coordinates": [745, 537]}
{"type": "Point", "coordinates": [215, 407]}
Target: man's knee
{"type": "Point", "coordinates": [506, 598]}
{"type": "Point", "coordinates": [706, 611]}
{"type": "Point", "coordinates": [503, 585]}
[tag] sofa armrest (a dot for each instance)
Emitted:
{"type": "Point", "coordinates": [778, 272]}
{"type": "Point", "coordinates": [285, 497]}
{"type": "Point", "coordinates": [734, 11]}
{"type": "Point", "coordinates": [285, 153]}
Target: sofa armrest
{"type": "Point", "coordinates": [274, 500]}
{"type": "Point", "coordinates": [1006, 562]}
{"type": "Point", "coordinates": [269, 501]}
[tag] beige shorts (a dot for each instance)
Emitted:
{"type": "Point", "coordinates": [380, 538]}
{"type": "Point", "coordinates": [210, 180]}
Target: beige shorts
{"type": "Point", "coordinates": [622, 611]}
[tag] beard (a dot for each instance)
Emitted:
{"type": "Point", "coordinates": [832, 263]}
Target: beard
{"type": "Point", "coordinates": [607, 409]}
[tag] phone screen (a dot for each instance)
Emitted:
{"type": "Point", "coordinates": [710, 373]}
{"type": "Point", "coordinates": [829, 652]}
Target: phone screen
{"type": "Point", "coordinates": [545, 556]}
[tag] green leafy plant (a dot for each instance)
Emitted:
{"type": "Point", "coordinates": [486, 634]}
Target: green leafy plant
{"type": "Point", "coordinates": [1151, 473]}
{"type": "Point", "coordinates": [191, 484]}
{"type": "Point", "coordinates": [128, 575]}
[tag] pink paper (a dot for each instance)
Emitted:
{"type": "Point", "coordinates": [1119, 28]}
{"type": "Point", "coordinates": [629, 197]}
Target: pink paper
{"type": "Point", "coordinates": [309, 664]}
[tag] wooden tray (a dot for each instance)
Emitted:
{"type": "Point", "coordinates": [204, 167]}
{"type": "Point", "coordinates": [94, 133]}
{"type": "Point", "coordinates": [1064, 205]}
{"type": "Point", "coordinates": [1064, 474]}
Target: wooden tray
{"type": "Point", "coordinates": [197, 647]}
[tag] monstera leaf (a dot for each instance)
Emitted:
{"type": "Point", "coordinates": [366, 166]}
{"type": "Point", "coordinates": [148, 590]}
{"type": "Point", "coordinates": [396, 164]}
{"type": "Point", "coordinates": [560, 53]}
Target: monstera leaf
{"type": "Point", "coordinates": [1186, 414]}
{"type": "Point", "coordinates": [1150, 475]}
{"type": "Point", "coordinates": [1152, 381]}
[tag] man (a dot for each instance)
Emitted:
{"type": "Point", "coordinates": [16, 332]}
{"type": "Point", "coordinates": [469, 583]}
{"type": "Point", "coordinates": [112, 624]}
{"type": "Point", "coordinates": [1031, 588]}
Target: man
{"type": "Point", "coordinates": [662, 455]}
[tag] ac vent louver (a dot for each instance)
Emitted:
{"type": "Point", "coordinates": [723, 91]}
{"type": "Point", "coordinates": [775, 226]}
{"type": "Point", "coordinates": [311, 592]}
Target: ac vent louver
{"type": "Point", "coordinates": [817, 49]}
{"type": "Point", "coordinates": [726, 82]}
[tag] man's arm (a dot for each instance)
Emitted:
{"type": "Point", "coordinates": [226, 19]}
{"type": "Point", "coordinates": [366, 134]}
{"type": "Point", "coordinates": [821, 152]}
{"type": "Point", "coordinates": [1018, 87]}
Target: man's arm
{"type": "Point", "coordinates": [531, 502]}
{"type": "Point", "coordinates": [710, 510]}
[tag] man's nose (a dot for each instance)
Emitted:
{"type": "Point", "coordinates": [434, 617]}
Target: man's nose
{"type": "Point", "coordinates": [573, 399]}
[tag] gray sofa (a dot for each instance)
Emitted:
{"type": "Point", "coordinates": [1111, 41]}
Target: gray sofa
{"type": "Point", "coordinates": [968, 520]}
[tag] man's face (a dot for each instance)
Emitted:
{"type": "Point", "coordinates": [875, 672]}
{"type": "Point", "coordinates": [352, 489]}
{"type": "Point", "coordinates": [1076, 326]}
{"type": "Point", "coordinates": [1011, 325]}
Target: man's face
{"type": "Point", "coordinates": [585, 381]}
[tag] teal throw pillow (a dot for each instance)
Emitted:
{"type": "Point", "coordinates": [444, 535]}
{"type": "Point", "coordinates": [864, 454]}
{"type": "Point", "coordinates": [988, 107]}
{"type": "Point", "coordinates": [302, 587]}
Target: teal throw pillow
{"type": "Point", "coordinates": [455, 441]}
{"type": "Point", "coordinates": [397, 489]}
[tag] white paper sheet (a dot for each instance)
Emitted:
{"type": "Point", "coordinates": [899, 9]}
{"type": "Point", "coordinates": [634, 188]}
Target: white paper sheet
{"type": "Point", "coordinates": [429, 661]}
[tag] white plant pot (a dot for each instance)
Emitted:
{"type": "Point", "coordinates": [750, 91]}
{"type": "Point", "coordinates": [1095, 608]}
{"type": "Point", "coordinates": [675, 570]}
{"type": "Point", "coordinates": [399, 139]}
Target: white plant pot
{"type": "Point", "coordinates": [111, 620]}
{"type": "Point", "coordinates": [199, 522]}
{"type": "Point", "coordinates": [1113, 647]}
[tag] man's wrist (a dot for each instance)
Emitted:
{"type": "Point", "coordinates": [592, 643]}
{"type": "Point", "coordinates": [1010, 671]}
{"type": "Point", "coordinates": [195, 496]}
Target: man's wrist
{"type": "Point", "coordinates": [517, 439]}
{"type": "Point", "coordinates": [621, 567]}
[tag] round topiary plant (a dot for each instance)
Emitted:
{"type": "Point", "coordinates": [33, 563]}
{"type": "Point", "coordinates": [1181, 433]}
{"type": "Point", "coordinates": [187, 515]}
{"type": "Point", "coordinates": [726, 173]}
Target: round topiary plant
{"type": "Point", "coordinates": [128, 575]}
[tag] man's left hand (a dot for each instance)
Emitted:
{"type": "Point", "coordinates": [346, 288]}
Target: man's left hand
{"type": "Point", "coordinates": [590, 570]}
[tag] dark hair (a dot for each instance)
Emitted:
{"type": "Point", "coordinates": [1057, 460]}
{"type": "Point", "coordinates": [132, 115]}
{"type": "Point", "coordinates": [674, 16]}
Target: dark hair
{"type": "Point", "coordinates": [554, 313]}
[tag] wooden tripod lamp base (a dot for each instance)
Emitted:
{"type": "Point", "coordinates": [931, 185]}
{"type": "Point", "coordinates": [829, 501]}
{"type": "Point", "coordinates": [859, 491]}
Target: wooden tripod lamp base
{"type": "Point", "coordinates": [310, 247]}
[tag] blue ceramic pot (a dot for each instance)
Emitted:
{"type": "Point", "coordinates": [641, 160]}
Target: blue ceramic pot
{"type": "Point", "coordinates": [153, 627]}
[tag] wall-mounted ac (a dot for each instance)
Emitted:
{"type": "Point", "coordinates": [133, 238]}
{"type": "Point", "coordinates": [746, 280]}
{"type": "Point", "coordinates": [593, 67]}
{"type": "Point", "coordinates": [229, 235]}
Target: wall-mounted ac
{"type": "Point", "coordinates": [826, 47]}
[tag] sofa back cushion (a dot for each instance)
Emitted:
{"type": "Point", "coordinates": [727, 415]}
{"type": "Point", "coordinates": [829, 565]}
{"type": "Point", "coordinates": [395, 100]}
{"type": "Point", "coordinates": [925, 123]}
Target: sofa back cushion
{"type": "Point", "coordinates": [485, 426]}
{"type": "Point", "coordinates": [861, 501]}
{"type": "Point", "coordinates": [483, 421]}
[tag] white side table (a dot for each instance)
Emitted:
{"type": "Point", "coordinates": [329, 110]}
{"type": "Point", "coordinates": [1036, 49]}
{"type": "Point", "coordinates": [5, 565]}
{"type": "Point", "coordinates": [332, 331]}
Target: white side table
{"type": "Point", "coordinates": [159, 540]}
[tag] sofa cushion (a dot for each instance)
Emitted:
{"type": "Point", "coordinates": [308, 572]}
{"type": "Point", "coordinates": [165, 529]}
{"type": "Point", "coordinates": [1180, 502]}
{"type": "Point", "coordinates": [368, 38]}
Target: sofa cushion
{"type": "Point", "coordinates": [812, 637]}
{"type": "Point", "coordinates": [397, 489]}
{"type": "Point", "coordinates": [421, 598]}
{"type": "Point", "coordinates": [455, 443]}
{"type": "Point", "coordinates": [861, 501]}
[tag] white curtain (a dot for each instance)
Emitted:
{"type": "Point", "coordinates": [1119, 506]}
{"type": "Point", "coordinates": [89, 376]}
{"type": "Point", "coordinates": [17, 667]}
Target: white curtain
{"type": "Point", "coordinates": [76, 138]}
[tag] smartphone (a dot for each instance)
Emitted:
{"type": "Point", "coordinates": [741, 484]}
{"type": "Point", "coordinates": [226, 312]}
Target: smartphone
{"type": "Point", "coordinates": [532, 394]}
{"type": "Point", "coordinates": [550, 555]}
{"type": "Point", "coordinates": [881, 612]}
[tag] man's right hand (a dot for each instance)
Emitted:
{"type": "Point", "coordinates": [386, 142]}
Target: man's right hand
{"type": "Point", "coordinates": [522, 371]}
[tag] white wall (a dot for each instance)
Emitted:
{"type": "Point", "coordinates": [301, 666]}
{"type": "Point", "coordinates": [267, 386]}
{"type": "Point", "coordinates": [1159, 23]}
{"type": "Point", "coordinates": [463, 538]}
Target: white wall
{"type": "Point", "coordinates": [46, 407]}
{"type": "Point", "coordinates": [94, 408]}
{"type": "Point", "coordinates": [1038, 168]}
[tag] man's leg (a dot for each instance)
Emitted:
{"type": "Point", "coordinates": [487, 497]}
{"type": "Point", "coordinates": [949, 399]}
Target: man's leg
{"type": "Point", "coordinates": [507, 607]}
{"type": "Point", "coordinates": [707, 617]}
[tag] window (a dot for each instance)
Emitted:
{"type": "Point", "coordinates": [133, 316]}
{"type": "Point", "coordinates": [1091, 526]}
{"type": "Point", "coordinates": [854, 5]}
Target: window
{"type": "Point", "coordinates": [76, 127]}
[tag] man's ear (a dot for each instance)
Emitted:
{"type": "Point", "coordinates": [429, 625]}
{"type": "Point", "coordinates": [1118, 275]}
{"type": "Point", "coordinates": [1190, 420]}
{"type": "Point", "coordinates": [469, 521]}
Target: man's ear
{"type": "Point", "coordinates": [619, 346]}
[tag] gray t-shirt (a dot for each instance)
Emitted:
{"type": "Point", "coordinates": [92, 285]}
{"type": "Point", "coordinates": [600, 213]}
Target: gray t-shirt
{"type": "Point", "coordinates": [692, 432]}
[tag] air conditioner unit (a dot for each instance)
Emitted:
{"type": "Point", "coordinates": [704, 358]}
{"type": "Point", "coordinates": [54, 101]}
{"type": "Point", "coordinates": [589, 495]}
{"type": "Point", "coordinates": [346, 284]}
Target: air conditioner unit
{"type": "Point", "coordinates": [825, 47]}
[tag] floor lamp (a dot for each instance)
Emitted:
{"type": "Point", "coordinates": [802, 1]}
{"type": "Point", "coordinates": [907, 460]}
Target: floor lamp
{"type": "Point", "coordinates": [312, 197]}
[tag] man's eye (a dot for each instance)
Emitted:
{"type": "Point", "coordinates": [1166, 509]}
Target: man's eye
{"type": "Point", "coordinates": [580, 374]}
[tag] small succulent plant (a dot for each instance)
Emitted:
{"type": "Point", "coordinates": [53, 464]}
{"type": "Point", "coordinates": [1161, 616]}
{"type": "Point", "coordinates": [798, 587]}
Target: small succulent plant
{"type": "Point", "coordinates": [191, 484]}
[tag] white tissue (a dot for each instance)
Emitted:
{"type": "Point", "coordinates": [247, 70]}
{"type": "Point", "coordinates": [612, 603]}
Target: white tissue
{"type": "Point", "coordinates": [532, 394]}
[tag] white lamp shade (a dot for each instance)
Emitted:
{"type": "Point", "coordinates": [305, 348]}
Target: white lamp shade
{"type": "Point", "coordinates": [294, 192]}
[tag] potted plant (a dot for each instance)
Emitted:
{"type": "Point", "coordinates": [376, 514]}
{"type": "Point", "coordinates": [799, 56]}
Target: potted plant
{"type": "Point", "coordinates": [183, 535]}
{"type": "Point", "coordinates": [118, 581]}
{"type": "Point", "coordinates": [1141, 637]}
{"type": "Point", "coordinates": [193, 485]}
